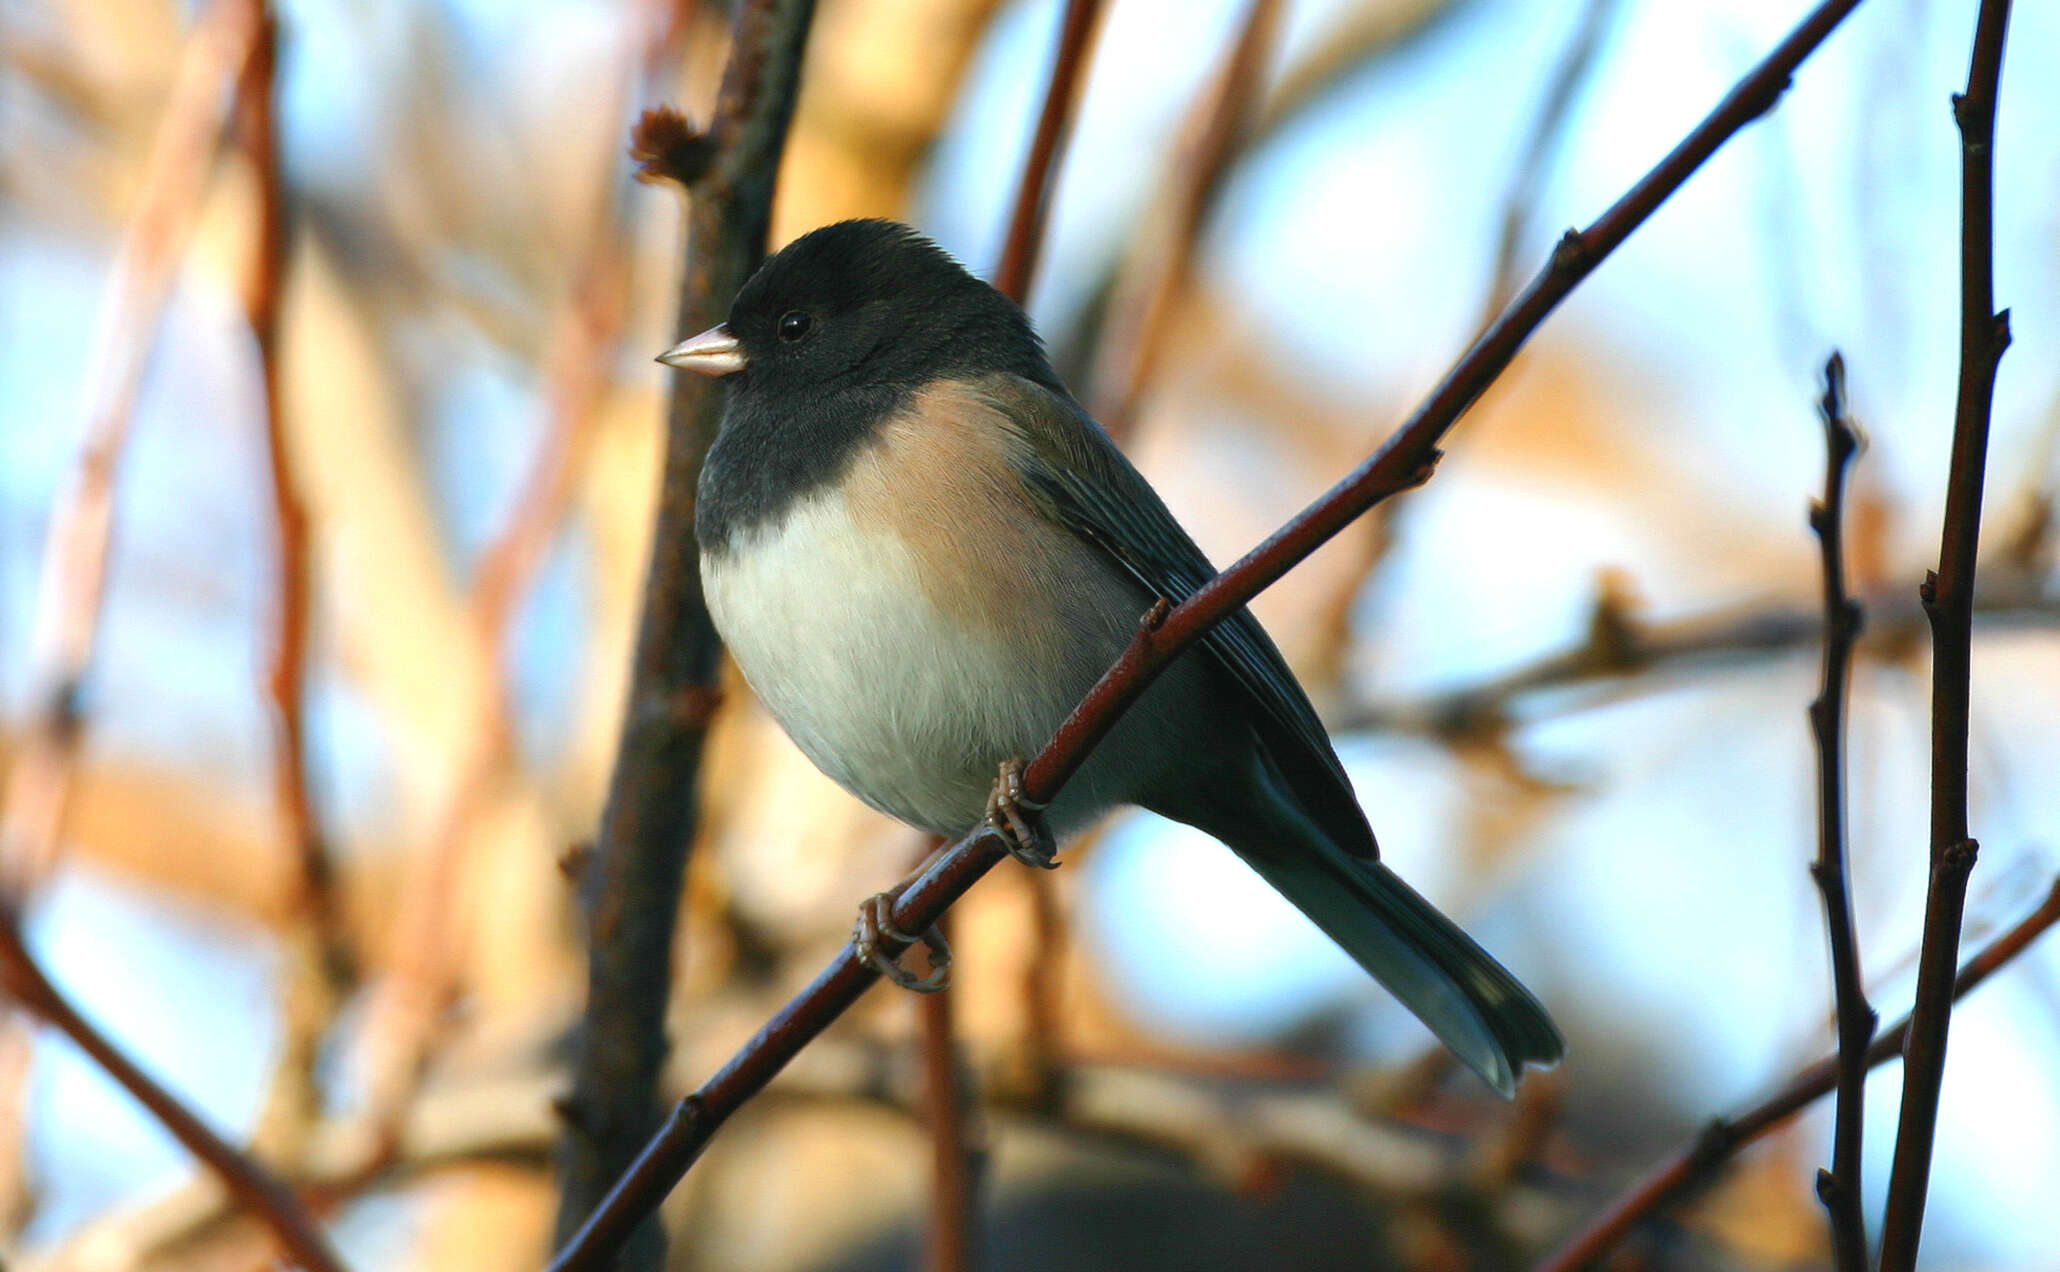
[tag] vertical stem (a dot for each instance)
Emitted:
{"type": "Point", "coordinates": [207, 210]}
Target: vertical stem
{"type": "Point", "coordinates": [952, 1242]}
{"type": "Point", "coordinates": [1948, 595]}
{"type": "Point", "coordinates": [1839, 1187]}
{"type": "Point", "coordinates": [632, 887]}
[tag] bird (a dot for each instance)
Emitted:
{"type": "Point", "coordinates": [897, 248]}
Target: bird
{"type": "Point", "coordinates": [922, 551]}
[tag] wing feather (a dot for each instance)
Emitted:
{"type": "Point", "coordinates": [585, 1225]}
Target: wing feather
{"type": "Point", "coordinates": [1084, 483]}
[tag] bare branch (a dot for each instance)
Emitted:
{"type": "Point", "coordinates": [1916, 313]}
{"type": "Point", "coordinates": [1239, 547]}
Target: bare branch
{"type": "Point", "coordinates": [74, 573]}
{"type": "Point", "coordinates": [1155, 274]}
{"type": "Point", "coordinates": [632, 885]}
{"type": "Point", "coordinates": [1406, 460]}
{"type": "Point", "coordinates": [1047, 147]}
{"type": "Point", "coordinates": [1619, 648]}
{"type": "Point", "coordinates": [1839, 1187]}
{"type": "Point", "coordinates": [1519, 203]}
{"type": "Point", "coordinates": [250, 1183]}
{"type": "Point", "coordinates": [1949, 604]}
{"type": "Point", "coordinates": [1699, 1161]}
{"type": "Point", "coordinates": [957, 1158]}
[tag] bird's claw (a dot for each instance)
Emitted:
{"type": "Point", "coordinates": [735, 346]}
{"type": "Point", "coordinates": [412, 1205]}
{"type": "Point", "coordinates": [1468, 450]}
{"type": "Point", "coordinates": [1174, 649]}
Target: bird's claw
{"type": "Point", "coordinates": [875, 923]}
{"type": "Point", "coordinates": [1018, 821]}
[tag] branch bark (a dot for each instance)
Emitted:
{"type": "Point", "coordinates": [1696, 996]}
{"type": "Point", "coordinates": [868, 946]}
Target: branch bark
{"type": "Point", "coordinates": [1948, 597]}
{"type": "Point", "coordinates": [633, 881]}
{"type": "Point", "coordinates": [1404, 461]}
{"type": "Point", "coordinates": [1839, 1187]}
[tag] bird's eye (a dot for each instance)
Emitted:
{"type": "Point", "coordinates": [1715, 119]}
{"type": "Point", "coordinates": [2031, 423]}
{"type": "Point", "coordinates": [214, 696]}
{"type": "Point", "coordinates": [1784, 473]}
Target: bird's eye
{"type": "Point", "coordinates": [794, 324]}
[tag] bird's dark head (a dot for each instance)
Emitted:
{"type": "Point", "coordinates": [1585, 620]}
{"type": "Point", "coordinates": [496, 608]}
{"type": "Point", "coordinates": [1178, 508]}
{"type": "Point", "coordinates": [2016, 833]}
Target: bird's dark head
{"type": "Point", "coordinates": [866, 305]}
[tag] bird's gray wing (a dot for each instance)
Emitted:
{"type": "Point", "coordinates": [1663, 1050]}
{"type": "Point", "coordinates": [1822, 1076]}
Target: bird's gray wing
{"type": "Point", "coordinates": [1084, 483]}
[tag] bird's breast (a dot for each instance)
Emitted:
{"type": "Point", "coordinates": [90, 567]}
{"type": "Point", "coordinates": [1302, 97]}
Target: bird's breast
{"type": "Point", "coordinates": [916, 623]}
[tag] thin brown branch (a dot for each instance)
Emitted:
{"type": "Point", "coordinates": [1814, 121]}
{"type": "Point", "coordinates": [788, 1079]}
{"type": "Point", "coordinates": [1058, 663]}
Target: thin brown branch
{"type": "Point", "coordinates": [956, 1158]}
{"type": "Point", "coordinates": [1699, 1161]}
{"type": "Point", "coordinates": [1406, 460]}
{"type": "Point", "coordinates": [1154, 277]}
{"type": "Point", "coordinates": [316, 945]}
{"type": "Point", "coordinates": [1021, 245]}
{"type": "Point", "coordinates": [1622, 649]}
{"type": "Point", "coordinates": [74, 571]}
{"type": "Point", "coordinates": [1366, 33]}
{"type": "Point", "coordinates": [1047, 147]}
{"type": "Point", "coordinates": [1839, 1187]}
{"type": "Point", "coordinates": [251, 1184]}
{"type": "Point", "coordinates": [286, 678]}
{"type": "Point", "coordinates": [1520, 202]}
{"type": "Point", "coordinates": [411, 999]}
{"type": "Point", "coordinates": [1949, 602]}
{"type": "Point", "coordinates": [632, 885]}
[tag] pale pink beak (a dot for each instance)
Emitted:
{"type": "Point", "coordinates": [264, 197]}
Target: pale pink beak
{"type": "Point", "coordinates": [715, 352]}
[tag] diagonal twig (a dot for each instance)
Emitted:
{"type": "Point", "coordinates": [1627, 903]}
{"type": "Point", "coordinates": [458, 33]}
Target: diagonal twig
{"type": "Point", "coordinates": [1519, 203]}
{"type": "Point", "coordinates": [1949, 603]}
{"type": "Point", "coordinates": [633, 881]}
{"type": "Point", "coordinates": [1698, 1162]}
{"type": "Point", "coordinates": [1047, 147]}
{"type": "Point", "coordinates": [1404, 461]}
{"type": "Point", "coordinates": [254, 1188]}
{"type": "Point", "coordinates": [1154, 275]}
{"type": "Point", "coordinates": [75, 555]}
{"type": "Point", "coordinates": [1839, 1187]}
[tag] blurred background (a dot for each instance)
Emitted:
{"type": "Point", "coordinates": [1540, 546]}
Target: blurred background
{"type": "Point", "coordinates": [1568, 677]}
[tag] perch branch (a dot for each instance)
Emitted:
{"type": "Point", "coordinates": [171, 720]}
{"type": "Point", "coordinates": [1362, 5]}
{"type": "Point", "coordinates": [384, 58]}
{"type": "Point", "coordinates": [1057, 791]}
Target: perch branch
{"type": "Point", "coordinates": [1404, 461]}
{"type": "Point", "coordinates": [1839, 1187]}
{"type": "Point", "coordinates": [1698, 1162]}
{"type": "Point", "coordinates": [632, 885]}
{"type": "Point", "coordinates": [1949, 603]}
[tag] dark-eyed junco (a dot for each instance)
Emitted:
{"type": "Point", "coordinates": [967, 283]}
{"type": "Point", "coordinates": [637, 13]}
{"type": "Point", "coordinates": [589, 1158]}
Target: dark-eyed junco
{"type": "Point", "coordinates": [922, 552]}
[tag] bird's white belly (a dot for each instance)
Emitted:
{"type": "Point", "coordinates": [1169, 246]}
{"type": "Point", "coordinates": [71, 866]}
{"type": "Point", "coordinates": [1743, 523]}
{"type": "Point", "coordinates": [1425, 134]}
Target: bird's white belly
{"type": "Point", "coordinates": [908, 706]}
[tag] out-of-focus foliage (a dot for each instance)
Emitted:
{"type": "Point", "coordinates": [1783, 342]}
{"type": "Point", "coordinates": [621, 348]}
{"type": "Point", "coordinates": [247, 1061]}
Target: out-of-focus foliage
{"type": "Point", "coordinates": [1633, 843]}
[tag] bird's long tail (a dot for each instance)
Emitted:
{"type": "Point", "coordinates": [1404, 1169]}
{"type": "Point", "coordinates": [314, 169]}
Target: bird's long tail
{"type": "Point", "coordinates": [1470, 1001]}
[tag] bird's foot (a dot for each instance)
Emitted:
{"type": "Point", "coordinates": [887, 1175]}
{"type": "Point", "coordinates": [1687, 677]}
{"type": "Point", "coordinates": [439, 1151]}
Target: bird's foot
{"type": "Point", "coordinates": [875, 925]}
{"type": "Point", "coordinates": [1018, 821]}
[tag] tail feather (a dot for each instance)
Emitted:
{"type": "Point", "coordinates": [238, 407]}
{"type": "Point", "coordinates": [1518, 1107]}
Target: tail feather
{"type": "Point", "coordinates": [1470, 1001]}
